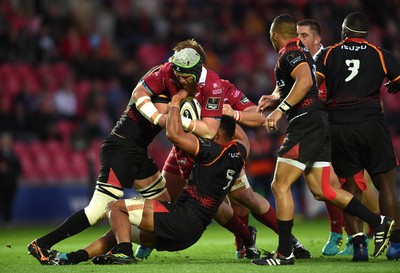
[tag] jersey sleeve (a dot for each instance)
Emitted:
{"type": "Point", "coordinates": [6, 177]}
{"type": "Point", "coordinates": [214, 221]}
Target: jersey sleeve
{"type": "Point", "coordinates": [154, 81]}
{"type": "Point", "coordinates": [319, 61]}
{"type": "Point", "coordinates": [237, 99]}
{"type": "Point", "coordinates": [291, 60]}
{"type": "Point", "coordinates": [392, 65]}
{"type": "Point", "coordinates": [242, 151]}
{"type": "Point", "coordinates": [208, 151]}
{"type": "Point", "coordinates": [213, 96]}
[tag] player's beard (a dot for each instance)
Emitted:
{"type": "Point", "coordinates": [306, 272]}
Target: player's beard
{"type": "Point", "coordinates": [190, 88]}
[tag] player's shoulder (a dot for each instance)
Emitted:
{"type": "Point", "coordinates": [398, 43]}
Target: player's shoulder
{"type": "Point", "coordinates": [210, 76]}
{"type": "Point", "coordinates": [210, 82]}
{"type": "Point", "coordinates": [159, 71]}
{"type": "Point", "coordinates": [166, 67]}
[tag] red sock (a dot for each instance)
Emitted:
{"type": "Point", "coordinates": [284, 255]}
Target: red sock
{"type": "Point", "coordinates": [238, 228]}
{"type": "Point", "coordinates": [238, 240]}
{"type": "Point", "coordinates": [245, 219]}
{"type": "Point", "coordinates": [268, 219]}
{"type": "Point", "coordinates": [336, 217]}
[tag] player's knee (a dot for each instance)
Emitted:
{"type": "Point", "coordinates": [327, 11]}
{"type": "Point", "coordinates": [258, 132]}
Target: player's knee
{"type": "Point", "coordinates": [278, 188]}
{"type": "Point", "coordinates": [327, 194]}
{"type": "Point", "coordinates": [111, 206]}
{"type": "Point", "coordinates": [103, 195]}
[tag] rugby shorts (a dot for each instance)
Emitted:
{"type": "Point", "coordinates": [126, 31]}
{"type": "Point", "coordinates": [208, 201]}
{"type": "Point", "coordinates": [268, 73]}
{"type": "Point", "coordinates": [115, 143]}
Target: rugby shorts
{"type": "Point", "coordinates": [127, 160]}
{"type": "Point", "coordinates": [307, 139]}
{"type": "Point", "coordinates": [362, 145]}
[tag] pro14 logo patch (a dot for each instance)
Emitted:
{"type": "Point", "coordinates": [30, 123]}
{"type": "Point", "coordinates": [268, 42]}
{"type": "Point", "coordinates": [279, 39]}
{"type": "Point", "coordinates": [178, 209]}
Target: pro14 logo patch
{"type": "Point", "coordinates": [213, 103]}
{"type": "Point", "coordinates": [294, 58]}
{"type": "Point", "coordinates": [244, 99]}
{"type": "Point", "coordinates": [205, 142]}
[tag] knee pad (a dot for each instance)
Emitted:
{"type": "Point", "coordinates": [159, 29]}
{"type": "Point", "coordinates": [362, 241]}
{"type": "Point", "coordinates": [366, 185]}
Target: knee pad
{"type": "Point", "coordinates": [103, 194]}
{"type": "Point", "coordinates": [241, 182]}
{"type": "Point", "coordinates": [156, 188]}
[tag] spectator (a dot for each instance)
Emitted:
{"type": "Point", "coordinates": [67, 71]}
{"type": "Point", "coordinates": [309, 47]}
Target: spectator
{"type": "Point", "coordinates": [65, 101]}
{"type": "Point", "coordinates": [10, 170]}
{"type": "Point", "coordinates": [42, 121]}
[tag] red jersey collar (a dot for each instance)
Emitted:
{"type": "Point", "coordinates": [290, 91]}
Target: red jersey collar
{"type": "Point", "coordinates": [294, 40]}
{"type": "Point", "coordinates": [355, 40]}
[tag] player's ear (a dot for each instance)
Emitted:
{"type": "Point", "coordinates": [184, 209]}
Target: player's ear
{"type": "Point", "coordinates": [217, 135]}
{"type": "Point", "coordinates": [317, 40]}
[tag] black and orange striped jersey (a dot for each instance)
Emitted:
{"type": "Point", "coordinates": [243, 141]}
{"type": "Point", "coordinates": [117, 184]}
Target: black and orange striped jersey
{"type": "Point", "coordinates": [215, 170]}
{"type": "Point", "coordinates": [290, 57]}
{"type": "Point", "coordinates": [354, 70]}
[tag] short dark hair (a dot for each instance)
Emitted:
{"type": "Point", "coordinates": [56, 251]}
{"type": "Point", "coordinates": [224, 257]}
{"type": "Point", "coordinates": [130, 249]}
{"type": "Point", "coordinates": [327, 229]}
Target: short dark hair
{"type": "Point", "coordinates": [228, 125]}
{"type": "Point", "coordinates": [356, 25]}
{"type": "Point", "coordinates": [313, 24]}
{"type": "Point", "coordinates": [285, 25]}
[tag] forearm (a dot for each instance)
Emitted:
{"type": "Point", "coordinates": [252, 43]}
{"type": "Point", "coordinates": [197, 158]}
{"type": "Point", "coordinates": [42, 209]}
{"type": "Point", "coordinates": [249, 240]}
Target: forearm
{"type": "Point", "coordinates": [296, 95]}
{"type": "Point", "coordinates": [202, 129]}
{"type": "Point", "coordinates": [249, 118]}
{"type": "Point", "coordinates": [174, 121]}
{"type": "Point", "coordinates": [144, 104]}
{"type": "Point", "coordinates": [303, 83]}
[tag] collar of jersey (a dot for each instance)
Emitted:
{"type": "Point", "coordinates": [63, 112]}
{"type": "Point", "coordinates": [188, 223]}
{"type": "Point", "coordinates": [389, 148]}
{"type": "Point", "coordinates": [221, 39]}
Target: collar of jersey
{"type": "Point", "coordinates": [355, 40]}
{"type": "Point", "coordinates": [294, 40]}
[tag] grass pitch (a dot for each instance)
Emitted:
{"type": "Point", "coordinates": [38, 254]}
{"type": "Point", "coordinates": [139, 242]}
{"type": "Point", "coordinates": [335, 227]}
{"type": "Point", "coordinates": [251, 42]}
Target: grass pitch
{"type": "Point", "coordinates": [213, 253]}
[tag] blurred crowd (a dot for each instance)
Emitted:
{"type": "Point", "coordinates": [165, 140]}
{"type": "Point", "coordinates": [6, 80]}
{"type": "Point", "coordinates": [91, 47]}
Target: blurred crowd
{"type": "Point", "coordinates": [67, 68]}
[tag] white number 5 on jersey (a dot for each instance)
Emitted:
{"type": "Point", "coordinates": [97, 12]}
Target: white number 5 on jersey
{"type": "Point", "coordinates": [353, 66]}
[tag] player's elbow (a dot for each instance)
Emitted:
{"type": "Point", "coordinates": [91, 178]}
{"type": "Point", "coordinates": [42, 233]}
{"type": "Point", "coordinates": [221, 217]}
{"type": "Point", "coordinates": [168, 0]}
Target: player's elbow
{"type": "Point", "coordinates": [171, 136]}
{"type": "Point", "coordinates": [208, 135]}
{"type": "Point", "coordinates": [308, 82]}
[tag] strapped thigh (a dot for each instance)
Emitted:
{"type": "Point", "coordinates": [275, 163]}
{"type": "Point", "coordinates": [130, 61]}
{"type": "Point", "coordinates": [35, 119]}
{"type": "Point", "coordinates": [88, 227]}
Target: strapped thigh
{"type": "Point", "coordinates": [154, 189]}
{"type": "Point", "coordinates": [135, 206]}
{"type": "Point", "coordinates": [241, 182]}
{"type": "Point", "coordinates": [104, 194]}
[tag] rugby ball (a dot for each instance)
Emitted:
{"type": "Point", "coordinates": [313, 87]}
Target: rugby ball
{"type": "Point", "coordinates": [190, 108]}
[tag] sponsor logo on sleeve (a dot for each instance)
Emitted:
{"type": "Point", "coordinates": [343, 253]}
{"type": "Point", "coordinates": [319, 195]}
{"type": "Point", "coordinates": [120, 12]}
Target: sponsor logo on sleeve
{"type": "Point", "coordinates": [244, 100]}
{"type": "Point", "coordinates": [294, 58]}
{"type": "Point", "coordinates": [213, 103]}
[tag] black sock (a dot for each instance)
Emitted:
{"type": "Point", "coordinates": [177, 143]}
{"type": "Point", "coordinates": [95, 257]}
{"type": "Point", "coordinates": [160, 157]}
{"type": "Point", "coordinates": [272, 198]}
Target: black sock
{"type": "Point", "coordinates": [125, 248]}
{"type": "Point", "coordinates": [395, 236]}
{"type": "Point", "coordinates": [76, 223]}
{"type": "Point", "coordinates": [285, 235]}
{"type": "Point", "coordinates": [355, 208]}
{"type": "Point", "coordinates": [78, 256]}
